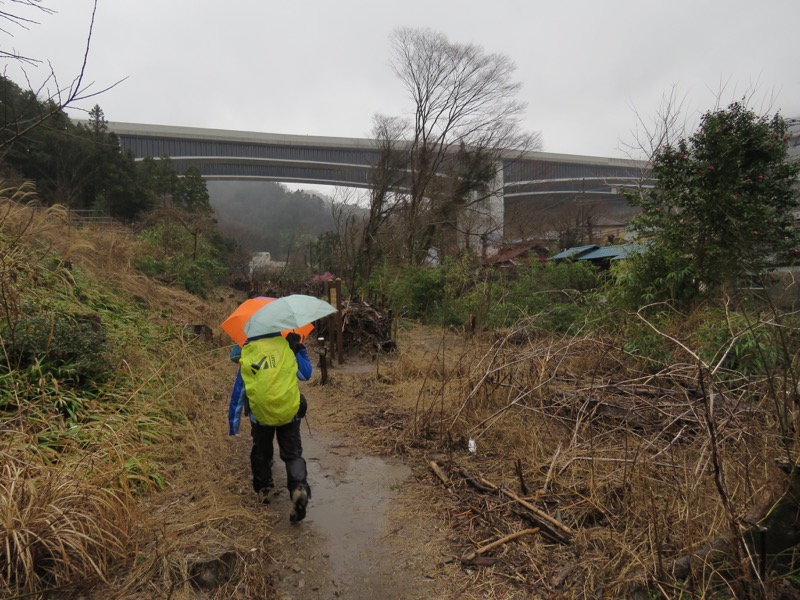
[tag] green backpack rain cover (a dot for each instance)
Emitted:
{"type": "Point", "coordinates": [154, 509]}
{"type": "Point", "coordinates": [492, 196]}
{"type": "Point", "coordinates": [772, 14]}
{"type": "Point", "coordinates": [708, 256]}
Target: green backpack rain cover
{"type": "Point", "coordinates": [269, 372]}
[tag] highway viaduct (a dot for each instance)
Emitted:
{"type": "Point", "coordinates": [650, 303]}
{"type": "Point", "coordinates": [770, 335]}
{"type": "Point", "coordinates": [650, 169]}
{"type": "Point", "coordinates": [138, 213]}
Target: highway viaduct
{"type": "Point", "coordinates": [541, 179]}
{"type": "Point", "coordinates": [240, 155]}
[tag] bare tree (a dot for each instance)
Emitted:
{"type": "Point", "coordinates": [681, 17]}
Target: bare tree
{"type": "Point", "coordinates": [577, 222]}
{"type": "Point", "coordinates": [53, 96]}
{"type": "Point", "coordinates": [350, 225]}
{"type": "Point", "coordinates": [650, 134]}
{"type": "Point", "coordinates": [665, 128]}
{"type": "Point", "coordinates": [388, 179]}
{"type": "Point", "coordinates": [526, 224]}
{"type": "Point", "coordinates": [466, 124]}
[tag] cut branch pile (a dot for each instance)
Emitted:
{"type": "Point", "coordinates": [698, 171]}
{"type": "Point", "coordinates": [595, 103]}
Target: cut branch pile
{"type": "Point", "coordinates": [367, 328]}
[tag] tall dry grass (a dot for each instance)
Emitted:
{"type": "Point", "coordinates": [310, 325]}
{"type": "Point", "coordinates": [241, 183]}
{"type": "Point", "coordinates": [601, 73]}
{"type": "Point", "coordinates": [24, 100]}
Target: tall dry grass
{"type": "Point", "coordinates": [661, 475]}
{"type": "Point", "coordinates": [60, 528]}
{"type": "Point", "coordinates": [80, 466]}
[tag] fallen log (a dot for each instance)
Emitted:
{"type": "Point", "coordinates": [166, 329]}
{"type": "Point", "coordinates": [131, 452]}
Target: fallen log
{"type": "Point", "coordinates": [539, 513]}
{"type": "Point", "coordinates": [439, 473]}
{"type": "Point", "coordinates": [471, 481]}
{"type": "Point", "coordinates": [470, 558]}
{"type": "Point", "coordinates": [550, 526]}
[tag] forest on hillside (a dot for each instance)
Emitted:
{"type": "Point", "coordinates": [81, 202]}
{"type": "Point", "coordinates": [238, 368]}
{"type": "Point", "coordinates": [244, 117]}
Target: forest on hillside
{"type": "Point", "coordinates": [193, 232]}
{"type": "Point", "coordinates": [264, 216]}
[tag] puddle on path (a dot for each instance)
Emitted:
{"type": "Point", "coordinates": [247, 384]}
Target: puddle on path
{"type": "Point", "coordinates": [348, 546]}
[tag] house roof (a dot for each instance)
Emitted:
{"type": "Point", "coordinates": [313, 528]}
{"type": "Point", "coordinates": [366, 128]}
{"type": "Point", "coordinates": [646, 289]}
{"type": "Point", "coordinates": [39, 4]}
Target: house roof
{"type": "Point", "coordinates": [509, 254]}
{"type": "Point", "coordinates": [575, 252]}
{"type": "Point", "coordinates": [595, 252]}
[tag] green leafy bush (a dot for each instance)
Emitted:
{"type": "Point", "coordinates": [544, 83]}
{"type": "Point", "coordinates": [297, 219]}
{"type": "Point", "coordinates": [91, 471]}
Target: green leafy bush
{"type": "Point", "coordinates": [174, 255]}
{"type": "Point", "coordinates": [653, 350]}
{"type": "Point", "coordinates": [556, 293]}
{"type": "Point", "coordinates": [72, 347]}
{"type": "Point", "coordinates": [657, 275]}
{"type": "Point", "coordinates": [721, 211]}
{"type": "Point", "coordinates": [200, 275]}
{"type": "Point", "coordinates": [459, 292]}
{"type": "Point", "coordinates": [418, 292]}
{"type": "Point", "coordinates": [716, 335]}
{"type": "Point", "coordinates": [736, 343]}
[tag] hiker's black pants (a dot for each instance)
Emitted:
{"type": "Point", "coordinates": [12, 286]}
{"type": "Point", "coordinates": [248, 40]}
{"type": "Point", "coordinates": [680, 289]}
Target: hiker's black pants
{"type": "Point", "coordinates": [291, 453]}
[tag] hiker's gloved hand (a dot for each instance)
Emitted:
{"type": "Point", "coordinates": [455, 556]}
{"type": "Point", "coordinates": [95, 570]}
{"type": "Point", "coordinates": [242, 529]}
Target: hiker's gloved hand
{"type": "Point", "coordinates": [294, 342]}
{"type": "Point", "coordinates": [235, 354]}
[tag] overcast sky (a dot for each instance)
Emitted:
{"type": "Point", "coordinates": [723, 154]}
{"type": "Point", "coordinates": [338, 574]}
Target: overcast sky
{"type": "Point", "coordinates": [321, 67]}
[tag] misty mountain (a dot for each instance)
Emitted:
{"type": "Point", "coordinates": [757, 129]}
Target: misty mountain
{"type": "Point", "coordinates": [264, 216]}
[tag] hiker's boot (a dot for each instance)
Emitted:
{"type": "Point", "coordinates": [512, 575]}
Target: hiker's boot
{"type": "Point", "coordinates": [263, 494]}
{"type": "Point", "coordinates": [300, 501]}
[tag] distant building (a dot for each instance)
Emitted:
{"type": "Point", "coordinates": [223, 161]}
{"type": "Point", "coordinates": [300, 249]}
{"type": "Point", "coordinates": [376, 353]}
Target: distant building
{"type": "Point", "coordinates": [794, 138]}
{"type": "Point", "coordinates": [510, 257]}
{"type": "Point", "coordinates": [261, 262]}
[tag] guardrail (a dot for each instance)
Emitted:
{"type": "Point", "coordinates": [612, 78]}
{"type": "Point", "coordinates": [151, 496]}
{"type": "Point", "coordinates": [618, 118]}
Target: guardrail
{"type": "Point", "coordinates": [89, 216]}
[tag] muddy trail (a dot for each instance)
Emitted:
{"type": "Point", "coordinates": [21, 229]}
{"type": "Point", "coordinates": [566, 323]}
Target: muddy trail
{"type": "Point", "coordinates": [367, 532]}
{"type": "Point", "coordinates": [351, 544]}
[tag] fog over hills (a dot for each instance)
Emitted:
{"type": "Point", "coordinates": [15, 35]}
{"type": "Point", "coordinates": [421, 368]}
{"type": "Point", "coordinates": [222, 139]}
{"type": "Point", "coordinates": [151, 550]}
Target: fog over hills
{"type": "Point", "coordinates": [264, 216]}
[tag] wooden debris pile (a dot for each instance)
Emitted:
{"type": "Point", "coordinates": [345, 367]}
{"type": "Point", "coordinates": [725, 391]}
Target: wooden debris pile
{"type": "Point", "coordinates": [366, 327]}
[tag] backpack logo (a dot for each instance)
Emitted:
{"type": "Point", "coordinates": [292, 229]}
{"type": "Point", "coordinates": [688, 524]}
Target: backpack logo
{"type": "Point", "coordinates": [266, 362]}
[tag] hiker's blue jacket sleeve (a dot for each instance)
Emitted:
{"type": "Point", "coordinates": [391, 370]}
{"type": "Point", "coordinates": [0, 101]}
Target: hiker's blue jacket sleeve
{"type": "Point", "coordinates": [303, 365]}
{"type": "Point", "coordinates": [236, 404]}
{"type": "Point", "coordinates": [235, 353]}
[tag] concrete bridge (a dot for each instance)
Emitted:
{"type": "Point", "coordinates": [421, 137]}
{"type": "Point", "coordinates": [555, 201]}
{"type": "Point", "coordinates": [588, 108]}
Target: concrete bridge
{"type": "Point", "coordinates": [541, 177]}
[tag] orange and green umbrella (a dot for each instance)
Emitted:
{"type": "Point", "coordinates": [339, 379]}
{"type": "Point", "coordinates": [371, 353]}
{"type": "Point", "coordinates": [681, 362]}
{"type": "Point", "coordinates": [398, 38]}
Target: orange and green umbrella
{"type": "Point", "coordinates": [234, 324]}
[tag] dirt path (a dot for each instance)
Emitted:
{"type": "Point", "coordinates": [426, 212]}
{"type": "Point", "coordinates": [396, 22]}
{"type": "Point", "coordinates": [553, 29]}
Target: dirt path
{"type": "Point", "coordinates": [363, 536]}
{"type": "Point", "coordinates": [349, 545]}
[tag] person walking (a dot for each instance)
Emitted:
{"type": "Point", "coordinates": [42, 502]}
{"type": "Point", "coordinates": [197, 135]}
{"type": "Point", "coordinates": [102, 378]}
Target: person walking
{"type": "Point", "coordinates": [267, 389]}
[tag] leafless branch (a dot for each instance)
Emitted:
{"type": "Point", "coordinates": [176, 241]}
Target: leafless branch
{"type": "Point", "coordinates": [62, 97]}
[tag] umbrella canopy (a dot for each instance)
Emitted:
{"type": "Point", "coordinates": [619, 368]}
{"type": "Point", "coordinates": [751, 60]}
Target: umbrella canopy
{"type": "Point", "coordinates": [234, 324]}
{"type": "Point", "coordinates": [289, 312]}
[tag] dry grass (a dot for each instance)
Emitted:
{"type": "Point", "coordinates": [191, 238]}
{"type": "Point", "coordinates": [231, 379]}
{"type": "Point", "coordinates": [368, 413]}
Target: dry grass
{"type": "Point", "coordinates": [76, 497]}
{"type": "Point", "coordinates": [60, 527]}
{"type": "Point", "coordinates": [621, 456]}
{"type": "Point", "coordinates": [201, 532]}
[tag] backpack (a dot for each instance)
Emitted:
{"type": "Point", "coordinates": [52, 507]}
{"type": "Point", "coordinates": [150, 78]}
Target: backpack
{"type": "Point", "coordinates": [269, 373]}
